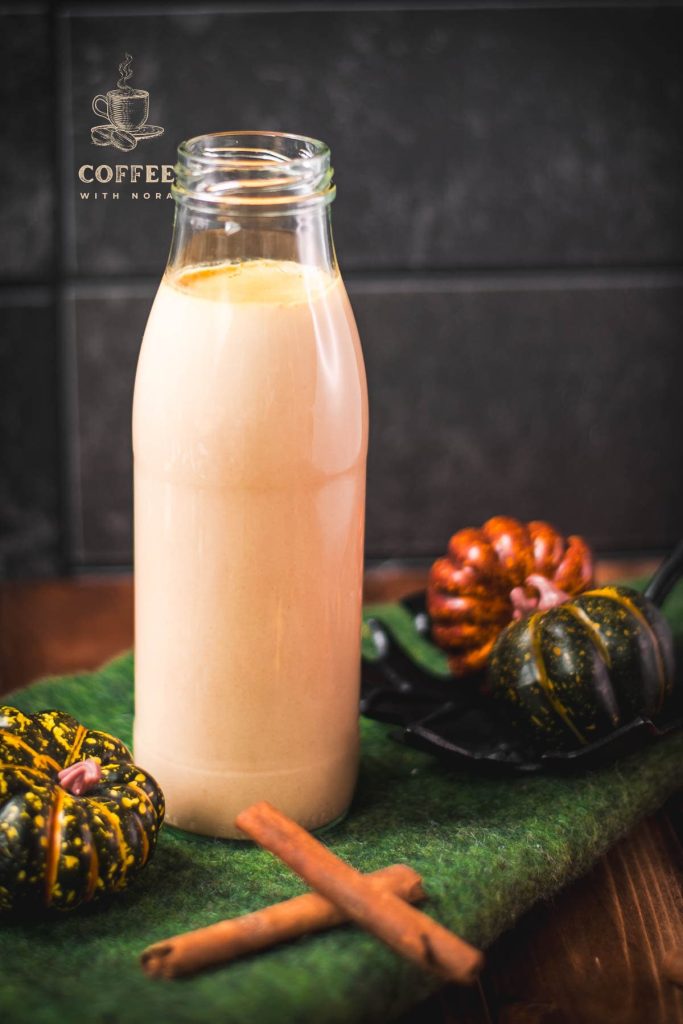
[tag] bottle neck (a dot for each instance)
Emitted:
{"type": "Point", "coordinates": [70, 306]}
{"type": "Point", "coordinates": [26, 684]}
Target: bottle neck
{"type": "Point", "coordinates": [219, 235]}
{"type": "Point", "coordinates": [253, 195]}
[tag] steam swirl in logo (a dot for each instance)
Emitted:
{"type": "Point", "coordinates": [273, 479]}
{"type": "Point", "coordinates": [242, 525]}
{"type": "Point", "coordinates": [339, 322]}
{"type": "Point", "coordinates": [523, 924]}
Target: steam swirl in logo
{"type": "Point", "coordinates": [125, 72]}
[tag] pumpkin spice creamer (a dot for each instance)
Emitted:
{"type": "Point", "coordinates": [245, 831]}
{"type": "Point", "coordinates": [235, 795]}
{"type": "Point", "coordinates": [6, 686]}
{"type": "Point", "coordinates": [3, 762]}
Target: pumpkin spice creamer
{"type": "Point", "coordinates": [250, 442]}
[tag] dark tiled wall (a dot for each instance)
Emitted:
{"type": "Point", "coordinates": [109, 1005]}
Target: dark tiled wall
{"type": "Point", "coordinates": [30, 479]}
{"type": "Point", "coordinates": [28, 173]}
{"type": "Point", "coordinates": [510, 220]}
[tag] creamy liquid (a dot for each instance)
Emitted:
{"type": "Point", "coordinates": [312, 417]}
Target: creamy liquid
{"type": "Point", "coordinates": [250, 441]}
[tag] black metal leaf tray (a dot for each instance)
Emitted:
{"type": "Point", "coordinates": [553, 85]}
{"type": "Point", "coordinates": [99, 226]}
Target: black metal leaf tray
{"type": "Point", "coordinates": [455, 721]}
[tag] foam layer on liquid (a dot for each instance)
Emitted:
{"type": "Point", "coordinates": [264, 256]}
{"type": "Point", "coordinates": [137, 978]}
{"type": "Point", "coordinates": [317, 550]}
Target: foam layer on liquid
{"type": "Point", "coordinates": [271, 282]}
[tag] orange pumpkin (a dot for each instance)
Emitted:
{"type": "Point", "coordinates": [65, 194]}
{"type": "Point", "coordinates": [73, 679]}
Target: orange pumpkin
{"type": "Point", "coordinates": [494, 574]}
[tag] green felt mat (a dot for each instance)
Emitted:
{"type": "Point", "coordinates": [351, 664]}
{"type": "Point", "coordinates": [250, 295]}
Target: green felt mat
{"type": "Point", "coordinates": [487, 849]}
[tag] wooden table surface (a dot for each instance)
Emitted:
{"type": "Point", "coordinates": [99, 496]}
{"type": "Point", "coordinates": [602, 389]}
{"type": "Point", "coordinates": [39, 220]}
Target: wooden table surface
{"type": "Point", "coordinates": [591, 956]}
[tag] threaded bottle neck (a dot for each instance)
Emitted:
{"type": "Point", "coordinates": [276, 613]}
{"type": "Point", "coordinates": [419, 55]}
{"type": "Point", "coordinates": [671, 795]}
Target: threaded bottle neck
{"type": "Point", "coordinates": [265, 171]}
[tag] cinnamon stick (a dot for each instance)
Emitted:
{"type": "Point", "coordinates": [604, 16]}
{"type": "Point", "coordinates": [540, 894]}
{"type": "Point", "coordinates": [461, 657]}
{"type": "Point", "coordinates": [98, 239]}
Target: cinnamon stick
{"type": "Point", "coordinates": [311, 912]}
{"type": "Point", "coordinates": [407, 930]}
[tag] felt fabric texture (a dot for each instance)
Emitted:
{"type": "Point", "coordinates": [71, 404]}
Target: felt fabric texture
{"type": "Point", "coordinates": [487, 849]}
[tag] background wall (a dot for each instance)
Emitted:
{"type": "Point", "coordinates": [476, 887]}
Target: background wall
{"type": "Point", "coordinates": [509, 222]}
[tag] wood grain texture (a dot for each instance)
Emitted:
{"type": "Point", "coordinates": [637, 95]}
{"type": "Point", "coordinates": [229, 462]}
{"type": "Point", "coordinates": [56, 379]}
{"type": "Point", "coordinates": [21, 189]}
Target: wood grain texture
{"type": "Point", "coordinates": [595, 953]}
{"type": "Point", "coordinates": [50, 627]}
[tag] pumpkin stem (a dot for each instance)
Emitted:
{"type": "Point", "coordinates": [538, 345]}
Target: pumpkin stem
{"type": "Point", "coordinates": [78, 778]}
{"type": "Point", "coordinates": [667, 575]}
{"type": "Point", "coordinates": [547, 596]}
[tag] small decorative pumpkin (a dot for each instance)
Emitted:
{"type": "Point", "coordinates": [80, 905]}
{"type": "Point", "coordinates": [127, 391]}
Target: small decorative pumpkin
{"type": "Point", "coordinates": [570, 675]}
{"type": "Point", "coordinates": [497, 573]}
{"type": "Point", "coordinates": [77, 817]}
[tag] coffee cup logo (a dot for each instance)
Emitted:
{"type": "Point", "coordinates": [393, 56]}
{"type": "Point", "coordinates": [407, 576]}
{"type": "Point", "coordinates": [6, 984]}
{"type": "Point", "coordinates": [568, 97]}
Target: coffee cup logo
{"type": "Point", "coordinates": [125, 111]}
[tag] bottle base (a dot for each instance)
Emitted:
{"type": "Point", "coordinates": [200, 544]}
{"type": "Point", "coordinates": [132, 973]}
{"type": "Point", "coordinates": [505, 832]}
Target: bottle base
{"type": "Point", "coordinates": [242, 840]}
{"type": "Point", "coordinates": [206, 802]}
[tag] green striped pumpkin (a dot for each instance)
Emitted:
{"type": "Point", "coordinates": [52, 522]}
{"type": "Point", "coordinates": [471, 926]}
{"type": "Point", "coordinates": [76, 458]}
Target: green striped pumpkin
{"type": "Point", "coordinates": [58, 849]}
{"type": "Point", "coordinates": [570, 675]}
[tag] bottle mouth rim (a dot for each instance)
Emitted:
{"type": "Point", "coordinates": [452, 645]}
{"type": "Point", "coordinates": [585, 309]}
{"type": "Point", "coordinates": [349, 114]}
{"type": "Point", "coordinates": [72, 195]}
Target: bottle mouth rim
{"type": "Point", "coordinates": [254, 168]}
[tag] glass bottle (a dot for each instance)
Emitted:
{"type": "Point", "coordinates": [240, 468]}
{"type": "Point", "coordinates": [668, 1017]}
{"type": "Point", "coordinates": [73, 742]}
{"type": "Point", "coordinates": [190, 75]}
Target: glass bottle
{"type": "Point", "coordinates": [250, 443]}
